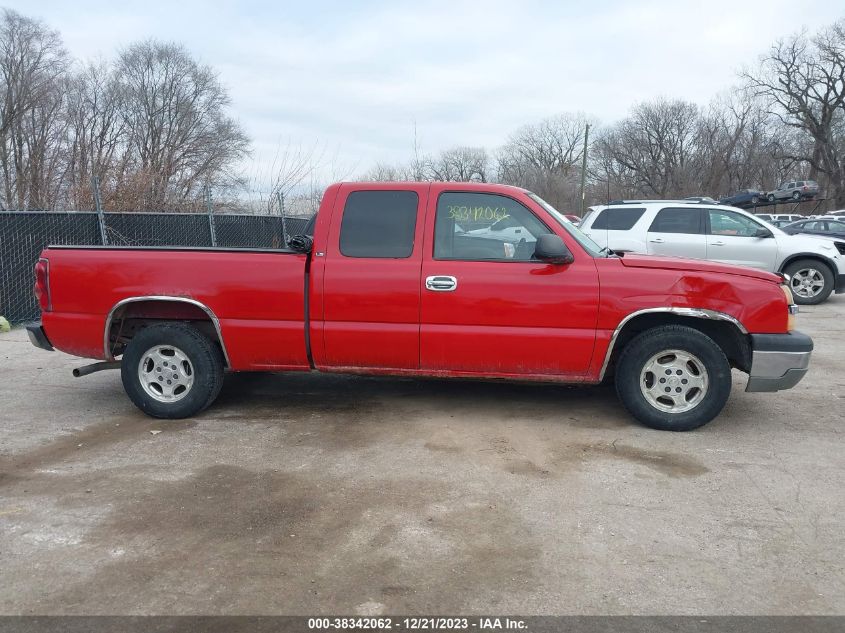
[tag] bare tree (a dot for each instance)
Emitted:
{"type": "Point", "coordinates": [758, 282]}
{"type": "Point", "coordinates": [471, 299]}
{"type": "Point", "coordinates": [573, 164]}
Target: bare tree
{"type": "Point", "coordinates": [32, 63]}
{"type": "Point", "coordinates": [652, 150]}
{"type": "Point", "coordinates": [96, 136]}
{"type": "Point", "coordinates": [179, 135]}
{"type": "Point", "coordinates": [459, 164]}
{"type": "Point", "coordinates": [386, 172]}
{"type": "Point", "coordinates": [802, 79]}
{"type": "Point", "coordinates": [545, 157]}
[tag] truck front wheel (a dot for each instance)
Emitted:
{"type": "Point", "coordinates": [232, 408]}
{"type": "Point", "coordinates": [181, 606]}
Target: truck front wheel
{"type": "Point", "coordinates": [673, 378]}
{"type": "Point", "coordinates": [171, 371]}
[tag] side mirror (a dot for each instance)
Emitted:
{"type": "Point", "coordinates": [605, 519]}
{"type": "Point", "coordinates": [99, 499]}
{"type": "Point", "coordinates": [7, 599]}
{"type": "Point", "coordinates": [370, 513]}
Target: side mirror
{"type": "Point", "coordinates": [300, 243]}
{"type": "Point", "coordinates": [550, 248]}
{"type": "Point", "coordinates": [761, 232]}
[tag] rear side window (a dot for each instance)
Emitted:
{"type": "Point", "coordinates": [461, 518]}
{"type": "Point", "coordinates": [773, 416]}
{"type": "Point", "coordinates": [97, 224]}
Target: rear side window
{"type": "Point", "coordinates": [617, 219]}
{"type": "Point", "coordinates": [379, 224]}
{"type": "Point", "coordinates": [677, 220]}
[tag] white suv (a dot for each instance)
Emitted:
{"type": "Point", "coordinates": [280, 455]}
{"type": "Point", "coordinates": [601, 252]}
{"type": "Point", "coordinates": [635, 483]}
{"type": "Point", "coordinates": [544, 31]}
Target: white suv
{"type": "Point", "coordinates": [720, 233]}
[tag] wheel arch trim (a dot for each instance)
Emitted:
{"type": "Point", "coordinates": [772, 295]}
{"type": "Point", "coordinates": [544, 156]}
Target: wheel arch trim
{"type": "Point", "coordinates": [697, 313]}
{"type": "Point", "coordinates": [163, 298]}
{"type": "Point", "coordinates": [794, 257]}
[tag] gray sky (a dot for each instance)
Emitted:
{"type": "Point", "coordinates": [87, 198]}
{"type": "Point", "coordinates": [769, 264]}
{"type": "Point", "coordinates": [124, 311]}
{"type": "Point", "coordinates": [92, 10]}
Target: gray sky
{"type": "Point", "coordinates": [353, 77]}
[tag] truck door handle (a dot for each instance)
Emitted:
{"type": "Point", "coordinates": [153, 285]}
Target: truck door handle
{"type": "Point", "coordinates": [657, 240]}
{"type": "Point", "coordinates": [441, 283]}
{"type": "Point", "coordinates": [717, 243]}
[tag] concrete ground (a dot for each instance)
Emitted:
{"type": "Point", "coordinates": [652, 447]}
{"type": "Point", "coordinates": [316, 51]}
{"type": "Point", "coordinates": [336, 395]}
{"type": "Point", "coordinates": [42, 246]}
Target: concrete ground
{"type": "Point", "coordinates": [300, 494]}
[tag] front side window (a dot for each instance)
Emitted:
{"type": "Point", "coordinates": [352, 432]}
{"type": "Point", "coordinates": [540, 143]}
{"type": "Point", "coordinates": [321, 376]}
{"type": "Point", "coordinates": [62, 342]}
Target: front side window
{"type": "Point", "coordinates": [483, 226]}
{"type": "Point", "coordinates": [379, 224]}
{"type": "Point", "coordinates": [617, 219]}
{"type": "Point", "coordinates": [677, 220]}
{"type": "Point", "coordinates": [732, 224]}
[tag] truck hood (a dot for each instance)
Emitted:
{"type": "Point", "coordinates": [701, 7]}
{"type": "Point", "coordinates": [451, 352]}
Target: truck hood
{"type": "Point", "coordinates": [633, 260]}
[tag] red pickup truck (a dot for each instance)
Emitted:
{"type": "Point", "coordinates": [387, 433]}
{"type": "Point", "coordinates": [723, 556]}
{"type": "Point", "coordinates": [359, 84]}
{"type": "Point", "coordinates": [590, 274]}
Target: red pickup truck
{"type": "Point", "coordinates": [424, 279]}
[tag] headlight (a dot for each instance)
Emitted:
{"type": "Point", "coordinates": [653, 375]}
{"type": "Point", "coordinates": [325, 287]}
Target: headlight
{"type": "Point", "coordinates": [840, 246]}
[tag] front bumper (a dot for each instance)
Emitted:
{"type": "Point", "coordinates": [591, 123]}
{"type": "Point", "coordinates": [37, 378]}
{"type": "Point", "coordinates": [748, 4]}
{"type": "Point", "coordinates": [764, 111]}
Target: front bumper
{"type": "Point", "coordinates": [778, 361]}
{"type": "Point", "coordinates": [37, 336]}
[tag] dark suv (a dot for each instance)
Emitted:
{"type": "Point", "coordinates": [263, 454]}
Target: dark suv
{"type": "Point", "coordinates": [795, 190]}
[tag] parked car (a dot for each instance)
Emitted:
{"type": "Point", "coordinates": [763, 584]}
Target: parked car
{"type": "Point", "coordinates": [828, 226]}
{"type": "Point", "coordinates": [724, 234]}
{"type": "Point", "coordinates": [780, 223]}
{"type": "Point", "coordinates": [385, 285]}
{"type": "Point", "coordinates": [507, 230]}
{"type": "Point", "coordinates": [572, 218]}
{"type": "Point", "coordinates": [780, 217]}
{"type": "Point", "coordinates": [745, 198]}
{"type": "Point", "coordinates": [795, 190]}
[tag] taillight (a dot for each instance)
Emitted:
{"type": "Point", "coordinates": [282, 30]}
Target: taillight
{"type": "Point", "coordinates": [42, 285]}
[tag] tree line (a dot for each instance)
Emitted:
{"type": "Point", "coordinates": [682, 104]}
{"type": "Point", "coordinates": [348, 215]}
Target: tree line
{"type": "Point", "coordinates": [153, 129]}
{"type": "Point", "coordinates": [784, 119]}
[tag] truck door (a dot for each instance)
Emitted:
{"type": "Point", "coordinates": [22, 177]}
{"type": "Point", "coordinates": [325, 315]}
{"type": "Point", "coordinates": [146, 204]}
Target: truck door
{"type": "Point", "coordinates": [371, 278]}
{"type": "Point", "coordinates": [677, 231]}
{"type": "Point", "coordinates": [488, 307]}
{"type": "Point", "coordinates": [731, 238]}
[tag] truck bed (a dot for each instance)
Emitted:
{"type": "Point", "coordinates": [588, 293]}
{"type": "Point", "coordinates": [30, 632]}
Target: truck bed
{"type": "Point", "coordinates": [256, 296]}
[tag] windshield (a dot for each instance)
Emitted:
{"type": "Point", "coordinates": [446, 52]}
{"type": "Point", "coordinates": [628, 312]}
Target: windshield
{"type": "Point", "coordinates": [589, 245]}
{"type": "Point", "coordinates": [767, 223]}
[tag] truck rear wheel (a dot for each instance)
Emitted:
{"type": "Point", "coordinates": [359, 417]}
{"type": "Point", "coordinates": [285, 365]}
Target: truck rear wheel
{"type": "Point", "coordinates": [673, 378]}
{"type": "Point", "coordinates": [171, 371]}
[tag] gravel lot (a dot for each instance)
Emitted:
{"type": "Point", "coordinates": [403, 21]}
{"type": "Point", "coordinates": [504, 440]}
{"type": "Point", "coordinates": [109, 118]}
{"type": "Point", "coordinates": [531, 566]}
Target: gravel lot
{"type": "Point", "coordinates": [308, 494]}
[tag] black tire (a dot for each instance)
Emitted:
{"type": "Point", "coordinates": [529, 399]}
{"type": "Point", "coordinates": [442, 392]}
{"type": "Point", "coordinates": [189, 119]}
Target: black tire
{"type": "Point", "coordinates": [810, 264]}
{"type": "Point", "coordinates": [770, 197]}
{"type": "Point", "coordinates": [661, 339]}
{"type": "Point", "coordinates": [205, 368]}
{"type": "Point", "coordinates": [796, 195]}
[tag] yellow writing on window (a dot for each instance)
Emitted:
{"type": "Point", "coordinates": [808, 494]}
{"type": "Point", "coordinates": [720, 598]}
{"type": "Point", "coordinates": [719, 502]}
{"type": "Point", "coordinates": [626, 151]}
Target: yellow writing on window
{"type": "Point", "coordinates": [477, 213]}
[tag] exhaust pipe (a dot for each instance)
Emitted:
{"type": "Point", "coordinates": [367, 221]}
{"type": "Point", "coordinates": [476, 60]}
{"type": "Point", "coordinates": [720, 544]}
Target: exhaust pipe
{"type": "Point", "coordinates": [79, 372]}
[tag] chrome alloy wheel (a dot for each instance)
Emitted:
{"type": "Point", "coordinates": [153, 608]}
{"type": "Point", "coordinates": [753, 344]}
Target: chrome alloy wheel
{"type": "Point", "coordinates": [807, 282]}
{"type": "Point", "coordinates": [674, 381]}
{"type": "Point", "coordinates": [166, 373]}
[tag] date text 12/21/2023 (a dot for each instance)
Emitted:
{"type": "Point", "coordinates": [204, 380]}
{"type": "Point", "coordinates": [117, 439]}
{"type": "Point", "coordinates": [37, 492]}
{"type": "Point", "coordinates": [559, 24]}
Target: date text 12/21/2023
{"type": "Point", "coordinates": [418, 623]}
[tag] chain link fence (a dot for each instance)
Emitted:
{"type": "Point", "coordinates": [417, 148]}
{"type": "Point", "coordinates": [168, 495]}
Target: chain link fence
{"type": "Point", "coordinates": [24, 234]}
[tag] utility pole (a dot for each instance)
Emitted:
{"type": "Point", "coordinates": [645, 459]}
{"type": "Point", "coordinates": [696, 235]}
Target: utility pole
{"type": "Point", "coordinates": [584, 171]}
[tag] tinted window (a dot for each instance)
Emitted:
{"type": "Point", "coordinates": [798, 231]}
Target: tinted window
{"type": "Point", "coordinates": [729, 223]}
{"type": "Point", "coordinates": [617, 219]}
{"type": "Point", "coordinates": [379, 224]}
{"type": "Point", "coordinates": [677, 221]}
{"type": "Point", "coordinates": [839, 227]}
{"type": "Point", "coordinates": [478, 226]}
